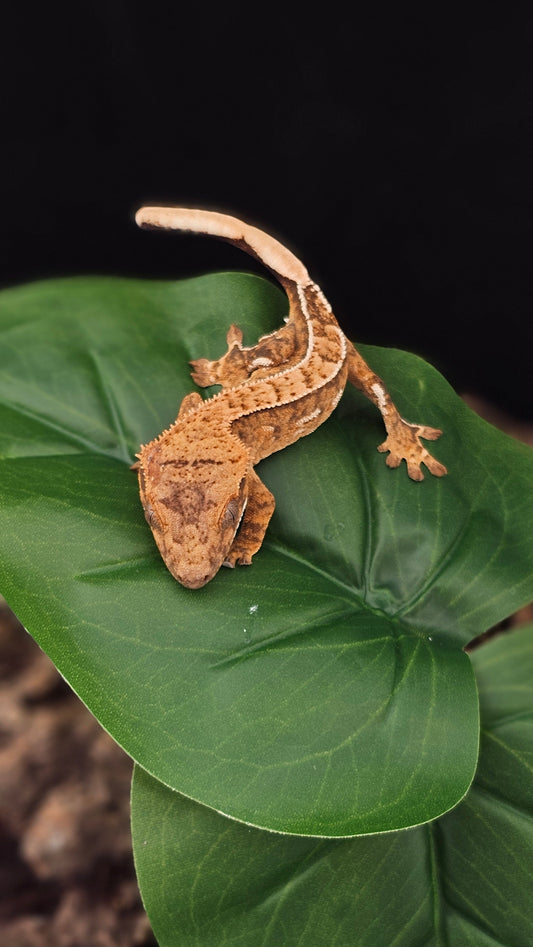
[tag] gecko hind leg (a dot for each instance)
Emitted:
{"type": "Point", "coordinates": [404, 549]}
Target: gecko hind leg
{"type": "Point", "coordinates": [229, 370]}
{"type": "Point", "coordinates": [240, 363]}
{"type": "Point", "coordinates": [403, 438]}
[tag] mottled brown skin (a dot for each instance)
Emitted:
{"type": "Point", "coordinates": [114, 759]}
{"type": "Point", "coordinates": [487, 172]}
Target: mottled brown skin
{"type": "Point", "coordinates": [202, 498]}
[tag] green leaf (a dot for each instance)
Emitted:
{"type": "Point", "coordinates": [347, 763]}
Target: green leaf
{"type": "Point", "coordinates": [322, 691]}
{"type": "Point", "coordinates": [462, 881]}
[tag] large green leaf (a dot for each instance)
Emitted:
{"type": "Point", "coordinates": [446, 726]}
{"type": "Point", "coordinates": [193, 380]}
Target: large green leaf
{"type": "Point", "coordinates": [322, 691]}
{"type": "Point", "coordinates": [463, 881]}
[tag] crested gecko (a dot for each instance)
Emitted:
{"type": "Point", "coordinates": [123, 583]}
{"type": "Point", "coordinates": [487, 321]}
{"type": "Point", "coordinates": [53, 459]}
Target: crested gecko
{"type": "Point", "coordinates": [202, 498]}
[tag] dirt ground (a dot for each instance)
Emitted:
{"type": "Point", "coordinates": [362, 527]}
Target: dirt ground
{"type": "Point", "coordinates": [66, 867]}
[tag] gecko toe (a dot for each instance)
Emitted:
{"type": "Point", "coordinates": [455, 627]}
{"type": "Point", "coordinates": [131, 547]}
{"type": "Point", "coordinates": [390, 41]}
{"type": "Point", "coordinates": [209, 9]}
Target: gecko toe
{"type": "Point", "coordinates": [414, 470]}
{"type": "Point", "coordinates": [428, 433]}
{"type": "Point", "coordinates": [435, 467]}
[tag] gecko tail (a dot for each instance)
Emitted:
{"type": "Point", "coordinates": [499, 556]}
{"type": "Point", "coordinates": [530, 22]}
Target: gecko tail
{"type": "Point", "coordinates": [269, 251]}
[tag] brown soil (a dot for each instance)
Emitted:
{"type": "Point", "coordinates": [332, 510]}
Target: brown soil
{"type": "Point", "coordinates": [66, 868]}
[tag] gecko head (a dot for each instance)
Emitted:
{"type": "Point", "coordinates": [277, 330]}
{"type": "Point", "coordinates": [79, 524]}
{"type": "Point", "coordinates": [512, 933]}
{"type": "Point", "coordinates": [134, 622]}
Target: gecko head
{"type": "Point", "coordinates": [193, 505]}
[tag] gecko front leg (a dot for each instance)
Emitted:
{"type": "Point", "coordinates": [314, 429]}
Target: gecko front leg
{"type": "Point", "coordinates": [255, 520]}
{"type": "Point", "coordinates": [403, 438]}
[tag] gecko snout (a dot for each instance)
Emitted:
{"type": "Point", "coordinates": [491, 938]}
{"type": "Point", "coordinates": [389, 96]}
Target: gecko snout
{"type": "Point", "coordinates": [194, 583]}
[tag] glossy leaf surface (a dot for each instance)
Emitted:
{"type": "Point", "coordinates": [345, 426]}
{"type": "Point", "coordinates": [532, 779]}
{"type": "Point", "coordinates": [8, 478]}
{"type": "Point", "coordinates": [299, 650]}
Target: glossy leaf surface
{"type": "Point", "coordinates": [462, 881]}
{"type": "Point", "coordinates": [324, 690]}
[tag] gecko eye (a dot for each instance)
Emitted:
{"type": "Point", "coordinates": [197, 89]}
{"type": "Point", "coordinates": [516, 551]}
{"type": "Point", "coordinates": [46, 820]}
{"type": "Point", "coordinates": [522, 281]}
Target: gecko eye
{"type": "Point", "coordinates": [231, 512]}
{"type": "Point", "coordinates": [151, 518]}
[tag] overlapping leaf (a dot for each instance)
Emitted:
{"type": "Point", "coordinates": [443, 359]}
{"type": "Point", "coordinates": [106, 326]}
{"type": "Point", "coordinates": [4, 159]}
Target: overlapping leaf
{"type": "Point", "coordinates": [463, 881]}
{"type": "Point", "coordinates": [323, 690]}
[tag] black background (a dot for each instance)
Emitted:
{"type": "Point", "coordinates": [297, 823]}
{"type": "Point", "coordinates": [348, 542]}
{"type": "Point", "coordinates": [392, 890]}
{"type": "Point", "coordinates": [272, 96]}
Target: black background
{"type": "Point", "coordinates": [392, 152]}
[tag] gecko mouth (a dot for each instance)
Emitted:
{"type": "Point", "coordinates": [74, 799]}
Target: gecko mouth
{"type": "Point", "coordinates": [194, 583]}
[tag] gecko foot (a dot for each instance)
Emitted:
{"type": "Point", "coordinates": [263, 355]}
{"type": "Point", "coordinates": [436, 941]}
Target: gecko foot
{"type": "Point", "coordinates": [229, 370]}
{"type": "Point", "coordinates": [202, 372]}
{"type": "Point", "coordinates": [404, 443]}
{"type": "Point", "coordinates": [235, 559]}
